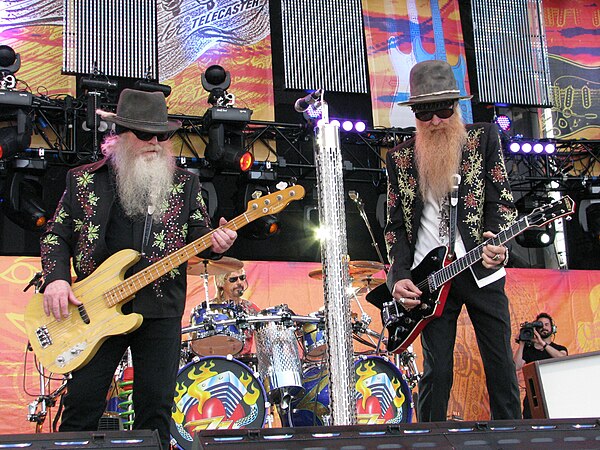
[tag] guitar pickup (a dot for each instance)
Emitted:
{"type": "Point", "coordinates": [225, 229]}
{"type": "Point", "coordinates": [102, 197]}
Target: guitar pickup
{"type": "Point", "coordinates": [390, 312]}
{"type": "Point", "coordinates": [43, 336]}
{"type": "Point", "coordinates": [71, 353]}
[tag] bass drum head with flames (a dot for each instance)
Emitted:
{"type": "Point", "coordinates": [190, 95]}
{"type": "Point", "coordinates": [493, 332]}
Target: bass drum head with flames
{"type": "Point", "coordinates": [216, 393]}
{"type": "Point", "coordinates": [381, 392]}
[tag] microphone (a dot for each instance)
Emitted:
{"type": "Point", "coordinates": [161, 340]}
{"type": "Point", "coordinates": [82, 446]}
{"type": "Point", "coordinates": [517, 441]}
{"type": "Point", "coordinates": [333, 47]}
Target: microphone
{"type": "Point", "coordinates": [355, 197]}
{"type": "Point", "coordinates": [240, 292]}
{"type": "Point", "coordinates": [303, 103]}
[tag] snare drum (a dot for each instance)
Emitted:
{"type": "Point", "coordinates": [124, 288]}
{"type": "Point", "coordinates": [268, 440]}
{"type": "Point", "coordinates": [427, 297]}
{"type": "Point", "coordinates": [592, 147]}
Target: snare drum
{"type": "Point", "coordinates": [216, 393]}
{"type": "Point", "coordinates": [214, 338]}
{"type": "Point", "coordinates": [277, 351]}
{"type": "Point", "coordinates": [381, 391]}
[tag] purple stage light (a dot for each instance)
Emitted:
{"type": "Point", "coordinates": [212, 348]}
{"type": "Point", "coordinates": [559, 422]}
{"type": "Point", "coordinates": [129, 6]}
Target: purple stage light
{"type": "Point", "coordinates": [526, 147]}
{"type": "Point", "coordinates": [347, 125]}
{"type": "Point", "coordinates": [360, 126]}
{"type": "Point", "coordinates": [538, 148]}
{"type": "Point", "coordinates": [550, 148]}
{"type": "Point", "coordinates": [514, 147]}
{"type": "Point", "coordinates": [504, 122]}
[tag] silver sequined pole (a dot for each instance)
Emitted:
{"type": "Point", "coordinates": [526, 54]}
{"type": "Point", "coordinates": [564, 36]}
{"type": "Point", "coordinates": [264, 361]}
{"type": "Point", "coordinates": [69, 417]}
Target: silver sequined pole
{"type": "Point", "coordinates": [334, 255]}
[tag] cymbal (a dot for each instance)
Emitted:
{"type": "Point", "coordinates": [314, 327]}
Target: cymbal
{"type": "Point", "coordinates": [357, 270]}
{"type": "Point", "coordinates": [198, 266]}
{"type": "Point", "coordinates": [366, 284]}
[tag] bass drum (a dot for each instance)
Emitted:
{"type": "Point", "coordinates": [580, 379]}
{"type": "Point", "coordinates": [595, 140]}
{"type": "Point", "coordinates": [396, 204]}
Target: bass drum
{"type": "Point", "coordinates": [381, 392]}
{"type": "Point", "coordinates": [215, 393]}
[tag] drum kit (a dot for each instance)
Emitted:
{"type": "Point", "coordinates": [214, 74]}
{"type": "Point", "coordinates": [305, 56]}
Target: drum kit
{"type": "Point", "coordinates": [287, 377]}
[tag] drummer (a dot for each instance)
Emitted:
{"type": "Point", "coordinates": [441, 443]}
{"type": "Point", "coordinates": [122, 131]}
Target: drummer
{"type": "Point", "coordinates": [230, 288]}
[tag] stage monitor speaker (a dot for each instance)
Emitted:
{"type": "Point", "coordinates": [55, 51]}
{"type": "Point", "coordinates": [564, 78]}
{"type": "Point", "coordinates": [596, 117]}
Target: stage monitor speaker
{"type": "Point", "coordinates": [135, 440]}
{"type": "Point", "coordinates": [565, 387]}
{"type": "Point", "coordinates": [513, 434]}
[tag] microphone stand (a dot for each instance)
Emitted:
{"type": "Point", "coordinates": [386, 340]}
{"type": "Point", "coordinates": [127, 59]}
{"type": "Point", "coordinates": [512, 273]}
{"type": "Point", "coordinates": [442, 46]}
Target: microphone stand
{"type": "Point", "coordinates": [361, 209]}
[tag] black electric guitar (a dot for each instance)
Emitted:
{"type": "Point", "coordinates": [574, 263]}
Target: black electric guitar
{"type": "Point", "coordinates": [66, 345]}
{"type": "Point", "coordinates": [434, 274]}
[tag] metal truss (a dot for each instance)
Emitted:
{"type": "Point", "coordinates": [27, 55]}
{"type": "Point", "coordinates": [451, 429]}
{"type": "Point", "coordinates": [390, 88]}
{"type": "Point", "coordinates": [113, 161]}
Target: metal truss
{"type": "Point", "coordinates": [289, 149]}
{"type": "Point", "coordinates": [574, 160]}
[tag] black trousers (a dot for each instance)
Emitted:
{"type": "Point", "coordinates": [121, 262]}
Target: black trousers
{"type": "Point", "coordinates": [489, 313]}
{"type": "Point", "coordinates": [155, 350]}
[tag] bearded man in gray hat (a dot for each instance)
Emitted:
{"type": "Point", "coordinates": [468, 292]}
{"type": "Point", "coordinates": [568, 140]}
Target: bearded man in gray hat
{"type": "Point", "coordinates": [134, 198]}
{"type": "Point", "coordinates": [421, 174]}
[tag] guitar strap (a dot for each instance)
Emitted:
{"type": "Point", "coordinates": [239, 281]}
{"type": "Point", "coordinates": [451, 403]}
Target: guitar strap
{"type": "Point", "coordinates": [453, 214]}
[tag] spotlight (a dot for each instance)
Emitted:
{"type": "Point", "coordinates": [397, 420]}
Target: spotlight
{"type": "Point", "coordinates": [10, 63]}
{"type": "Point", "coordinates": [504, 122]}
{"type": "Point", "coordinates": [15, 139]}
{"type": "Point", "coordinates": [22, 202]}
{"type": "Point", "coordinates": [347, 125]}
{"type": "Point", "coordinates": [225, 124]}
{"type": "Point", "coordinates": [217, 80]}
{"type": "Point", "coordinates": [360, 126]}
{"type": "Point", "coordinates": [263, 227]}
{"type": "Point", "coordinates": [539, 147]}
{"type": "Point", "coordinates": [151, 86]}
{"type": "Point", "coordinates": [535, 237]}
{"type": "Point", "coordinates": [335, 122]}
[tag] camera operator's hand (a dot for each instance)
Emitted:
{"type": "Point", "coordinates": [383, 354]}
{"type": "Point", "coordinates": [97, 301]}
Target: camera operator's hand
{"type": "Point", "coordinates": [537, 339]}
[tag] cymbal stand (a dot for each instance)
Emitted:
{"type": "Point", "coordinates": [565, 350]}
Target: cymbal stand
{"type": "Point", "coordinates": [364, 317]}
{"type": "Point", "coordinates": [361, 209]}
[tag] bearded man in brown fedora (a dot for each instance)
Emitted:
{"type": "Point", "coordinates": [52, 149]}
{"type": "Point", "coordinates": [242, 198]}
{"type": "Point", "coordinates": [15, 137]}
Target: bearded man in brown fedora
{"type": "Point", "coordinates": [421, 174]}
{"type": "Point", "coordinates": [134, 198]}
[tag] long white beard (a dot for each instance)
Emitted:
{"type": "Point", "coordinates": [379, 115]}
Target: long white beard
{"type": "Point", "coordinates": [438, 154]}
{"type": "Point", "coordinates": [143, 182]}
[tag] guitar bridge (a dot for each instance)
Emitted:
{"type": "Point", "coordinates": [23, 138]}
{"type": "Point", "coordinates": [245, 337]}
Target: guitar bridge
{"type": "Point", "coordinates": [43, 336]}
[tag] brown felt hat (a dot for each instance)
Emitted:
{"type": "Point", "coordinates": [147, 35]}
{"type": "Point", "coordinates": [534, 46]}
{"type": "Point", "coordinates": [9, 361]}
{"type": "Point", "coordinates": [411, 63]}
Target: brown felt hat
{"type": "Point", "coordinates": [432, 81]}
{"type": "Point", "coordinates": [143, 111]}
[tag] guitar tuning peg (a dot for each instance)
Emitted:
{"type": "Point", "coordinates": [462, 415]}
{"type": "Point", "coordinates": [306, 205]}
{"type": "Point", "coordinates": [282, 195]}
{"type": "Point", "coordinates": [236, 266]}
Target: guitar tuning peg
{"type": "Point", "coordinates": [281, 185]}
{"type": "Point", "coordinates": [256, 195]}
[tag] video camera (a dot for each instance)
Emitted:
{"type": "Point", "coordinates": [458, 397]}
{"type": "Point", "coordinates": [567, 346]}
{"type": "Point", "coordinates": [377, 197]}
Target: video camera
{"type": "Point", "coordinates": [526, 331]}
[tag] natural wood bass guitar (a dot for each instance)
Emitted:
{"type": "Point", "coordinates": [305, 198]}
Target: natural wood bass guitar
{"type": "Point", "coordinates": [434, 274]}
{"type": "Point", "coordinates": [66, 345]}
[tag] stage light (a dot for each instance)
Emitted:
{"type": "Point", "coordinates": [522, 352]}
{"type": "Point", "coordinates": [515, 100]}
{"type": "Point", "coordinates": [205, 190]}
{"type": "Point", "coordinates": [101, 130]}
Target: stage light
{"type": "Point", "coordinates": [360, 126]}
{"type": "Point", "coordinates": [10, 63]}
{"type": "Point", "coordinates": [347, 125]}
{"type": "Point", "coordinates": [225, 148]}
{"type": "Point", "coordinates": [22, 202]}
{"type": "Point", "coordinates": [15, 139]}
{"type": "Point", "coordinates": [535, 237]}
{"type": "Point", "coordinates": [151, 86]}
{"type": "Point", "coordinates": [589, 212]}
{"type": "Point", "coordinates": [541, 147]}
{"type": "Point", "coordinates": [504, 122]}
{"type": "Point", "coordinates": [217, 80]}
{"type": "Point", "coordinates": [335, 122]}
{"type": "Point", "coordinates": [225, 124]}
{"type": "Point", "coordinates": [263, 227]}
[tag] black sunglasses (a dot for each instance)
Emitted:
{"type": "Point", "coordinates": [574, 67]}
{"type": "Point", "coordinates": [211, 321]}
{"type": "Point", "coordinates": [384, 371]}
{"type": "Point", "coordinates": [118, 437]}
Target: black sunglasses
{"type": "Point", "coordinates": [426, 116]}
{"type": "Point", "coordinates": [145, 135]}
{"type": "Point", "coordinates": [234, 279]}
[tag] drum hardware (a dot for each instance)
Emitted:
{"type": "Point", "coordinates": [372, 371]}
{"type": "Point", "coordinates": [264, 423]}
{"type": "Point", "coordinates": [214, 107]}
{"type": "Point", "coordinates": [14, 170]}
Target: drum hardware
{"type": "Point", "coordinates": [407, 360]}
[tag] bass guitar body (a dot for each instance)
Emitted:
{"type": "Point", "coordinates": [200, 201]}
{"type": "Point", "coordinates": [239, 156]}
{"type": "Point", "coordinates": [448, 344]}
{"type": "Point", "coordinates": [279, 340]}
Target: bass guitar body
{"type": "Point", "coordinates": [67, 344]}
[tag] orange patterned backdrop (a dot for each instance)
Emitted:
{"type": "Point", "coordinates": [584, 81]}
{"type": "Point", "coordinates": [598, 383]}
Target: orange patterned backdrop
{"type": "Point", "coordinates": [571, 297]}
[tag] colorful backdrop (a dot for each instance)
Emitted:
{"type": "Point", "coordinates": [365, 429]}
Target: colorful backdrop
{"type": "Point", "coordinates": [571, 297]}
{"type": "Point", "coordinates": [400, 34]}
{"type": "Point", "coordinates": [192, 36]}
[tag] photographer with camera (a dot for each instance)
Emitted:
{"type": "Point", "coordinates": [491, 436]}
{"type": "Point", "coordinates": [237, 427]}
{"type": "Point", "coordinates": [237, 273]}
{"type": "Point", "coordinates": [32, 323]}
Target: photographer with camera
{"type": "Point", "coordinates": [535, 344]}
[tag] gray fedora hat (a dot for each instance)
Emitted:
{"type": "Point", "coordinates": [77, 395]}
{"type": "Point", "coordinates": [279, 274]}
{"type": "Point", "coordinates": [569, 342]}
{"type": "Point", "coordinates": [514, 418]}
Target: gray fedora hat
{"type": "Point", "coordinates": [143, 111]}
{"type": "Point", "coordinates": [432, 81]}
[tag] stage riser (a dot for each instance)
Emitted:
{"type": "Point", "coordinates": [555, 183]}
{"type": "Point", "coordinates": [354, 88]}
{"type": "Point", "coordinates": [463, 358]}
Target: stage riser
{"type": "Point", "coordinates": [528, 434]}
